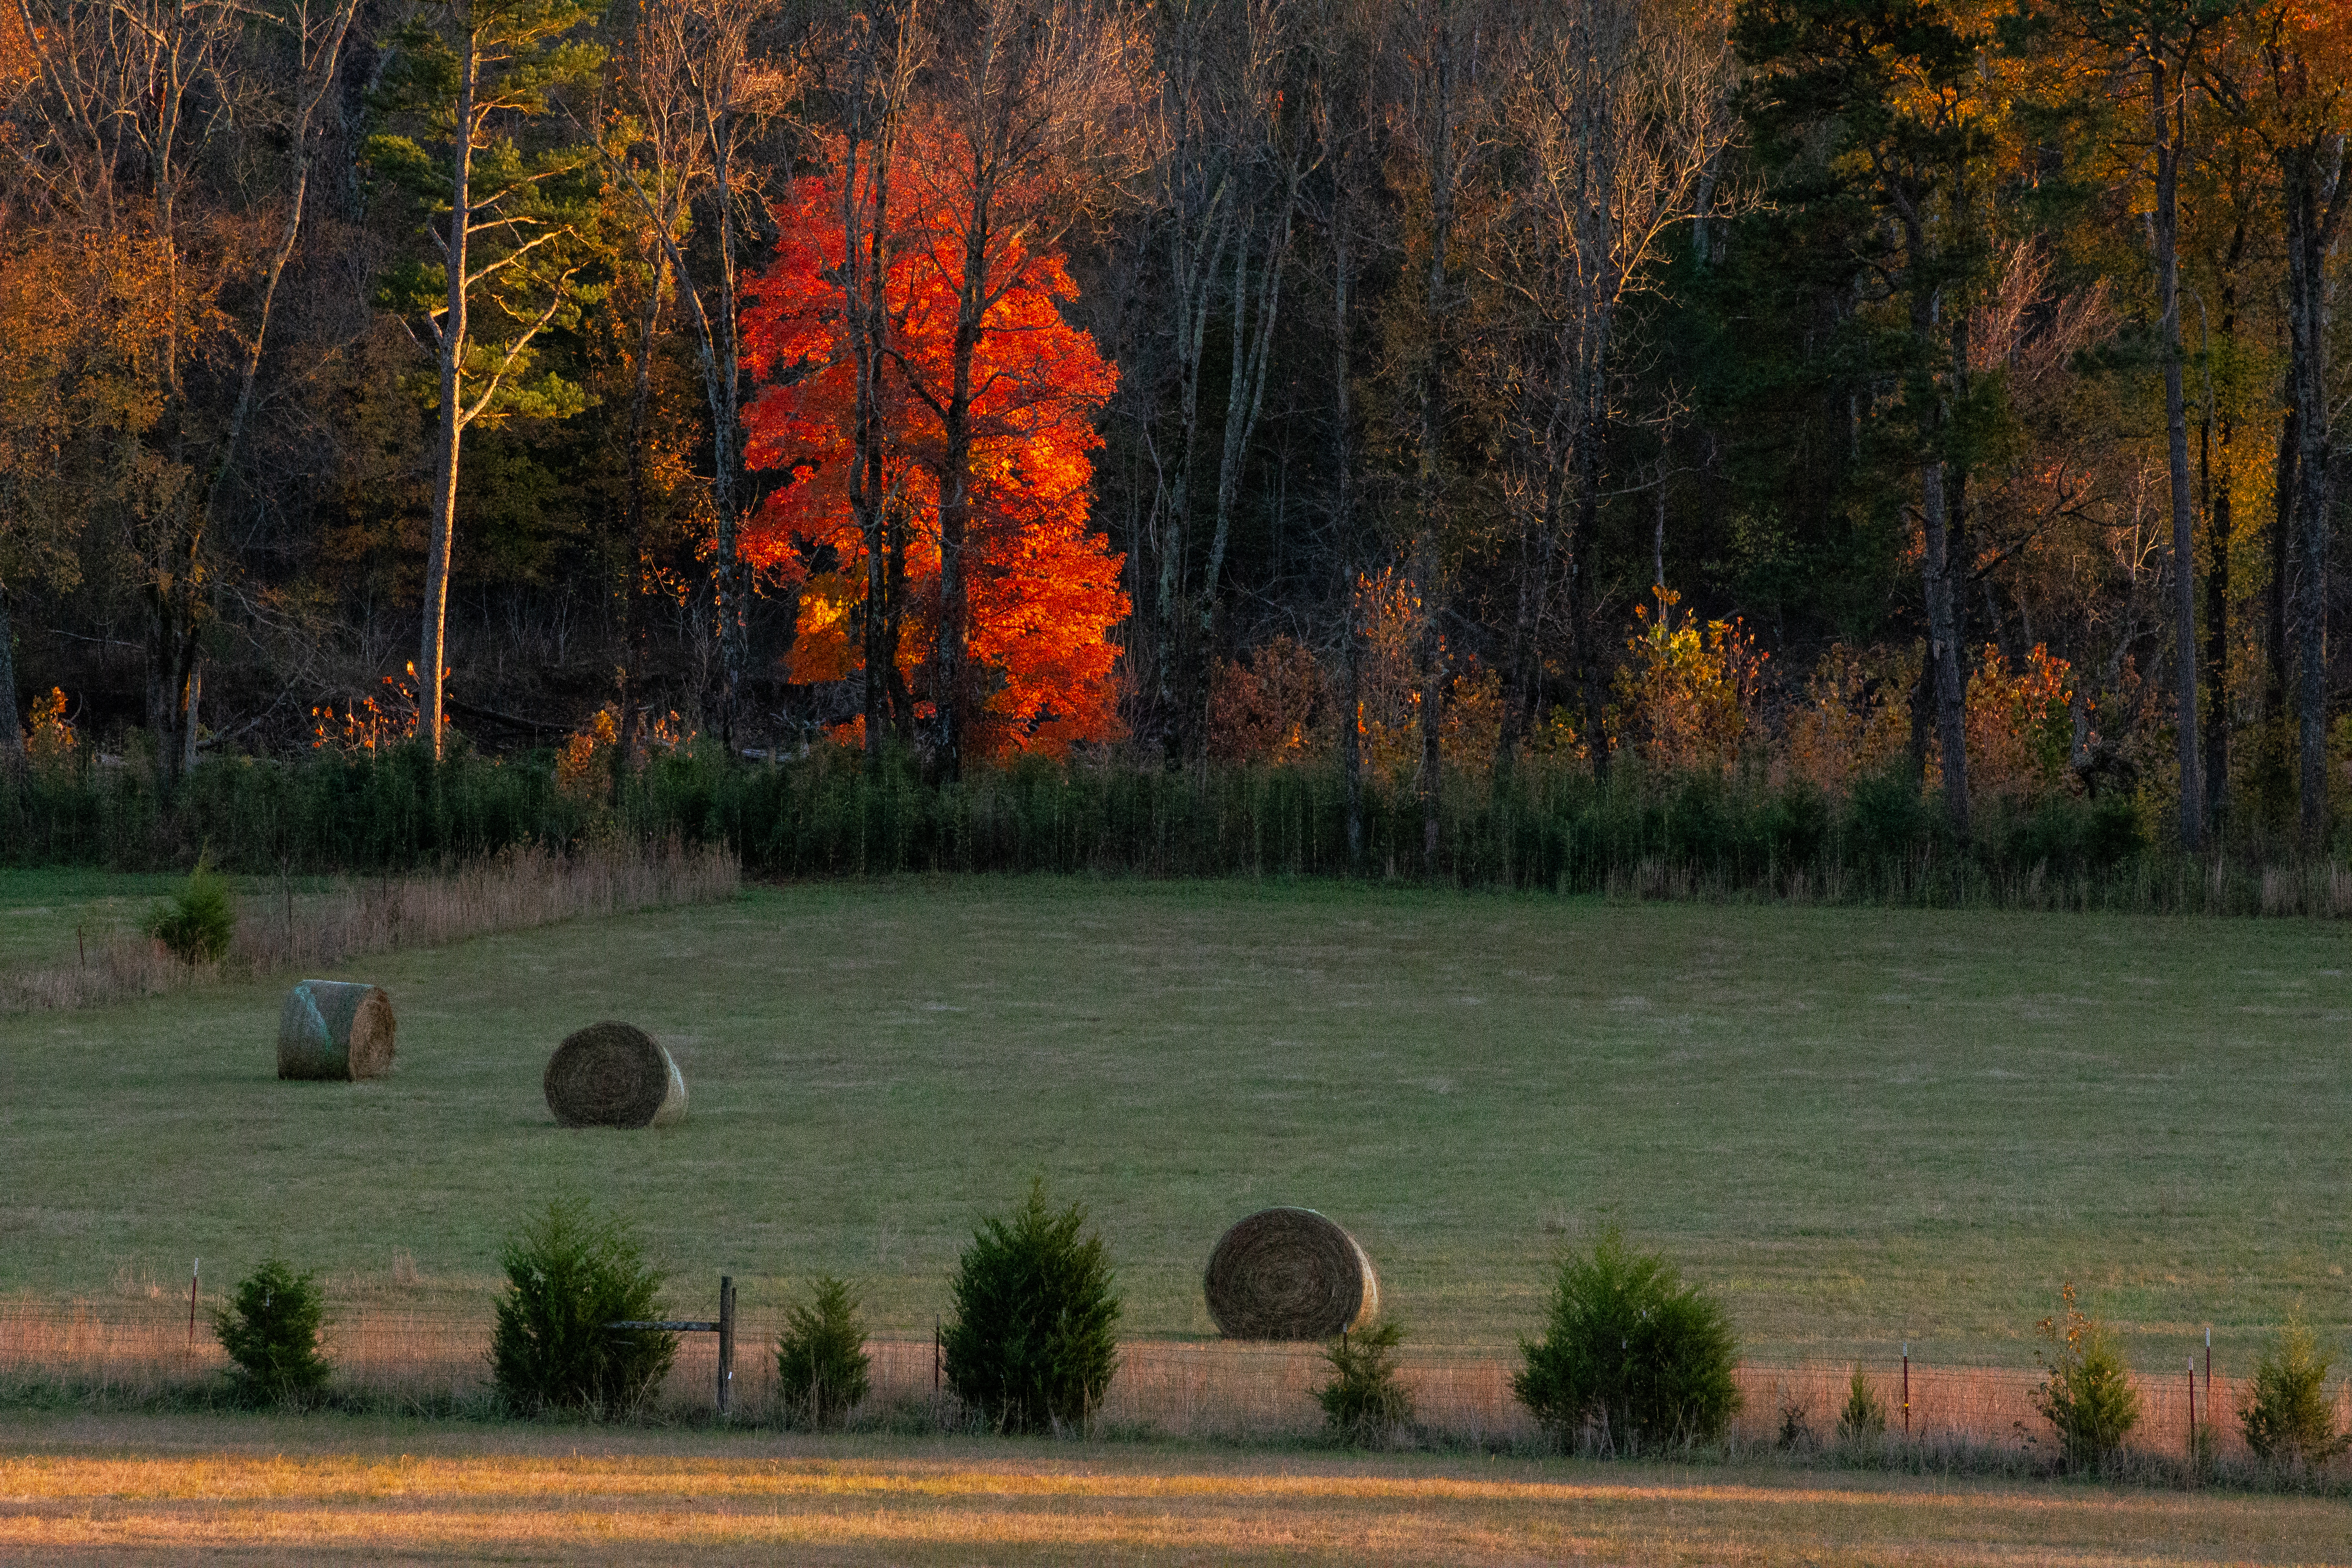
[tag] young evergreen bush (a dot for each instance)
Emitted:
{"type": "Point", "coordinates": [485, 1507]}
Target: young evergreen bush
{"type": "Point", "coordinates": [1366, 1402]}
{"type": "Point", "coordinates": [270, 1330]}
{"type": "Point", "coordinates": [2288, 1416]}
{"type": "Point", "coordinates": [569, 1273]}
{"type": "Point", "coordinates": [2089, 1398]}
{"type": "Point", "coordinates": [1630, 1355]}
{"type": "Point", "coordinates": [198, 922]}
{"type": "Point", "coordinates": [1034, 1338]}
{"type": "Point", "coordinates": [820, 1357]}
{"type": "Point", "coordinates": [1863, 1419]}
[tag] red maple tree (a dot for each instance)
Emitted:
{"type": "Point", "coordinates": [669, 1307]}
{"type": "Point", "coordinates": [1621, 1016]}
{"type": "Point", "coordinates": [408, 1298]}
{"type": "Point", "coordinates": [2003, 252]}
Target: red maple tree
{"type": "Point", "coordinates": [1044, 592]}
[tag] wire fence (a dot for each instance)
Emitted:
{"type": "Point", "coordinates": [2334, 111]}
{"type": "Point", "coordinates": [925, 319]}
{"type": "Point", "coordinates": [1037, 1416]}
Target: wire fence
{"type": "Point", "coordinates": [429, 1362]}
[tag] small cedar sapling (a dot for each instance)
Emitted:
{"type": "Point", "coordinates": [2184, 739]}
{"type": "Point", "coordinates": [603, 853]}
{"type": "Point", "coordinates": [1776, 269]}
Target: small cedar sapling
{"type": "Point", "coordinates": [198, 922]}
{"type": "Point", "coordinates": [1034, 1338]}
{"type": "Point", "coordinates": [2089, 1398]}
{"type": "Point", "coordinates": [569, 1273]}
{"type": "Point", "coordinates": [270, 1330]}
{"type": "Point", "coordinates": [1366, 1404]}
{"type": "Point", "coordinates": [1863, 1419]}
{"type": "Point", "coordinates": [820, 1360]}
{"type": "Point", "coordinates": [1632, 1358]}
{"type": "Point", "coordinates": [2289, 1414]}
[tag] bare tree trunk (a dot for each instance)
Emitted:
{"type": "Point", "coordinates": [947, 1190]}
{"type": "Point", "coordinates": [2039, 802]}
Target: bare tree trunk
{"type": "Point", "coordinates": [2165, 224]}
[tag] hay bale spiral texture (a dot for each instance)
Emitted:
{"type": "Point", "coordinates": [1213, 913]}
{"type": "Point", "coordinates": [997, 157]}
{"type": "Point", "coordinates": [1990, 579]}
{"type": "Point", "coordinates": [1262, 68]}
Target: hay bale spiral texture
{"type": "Point", "coordinates": [1289, 1274]}
{"type": "Point", "coordinates": [615, 1075]}
{"type": "Point", "coordinates": [335, 1029]}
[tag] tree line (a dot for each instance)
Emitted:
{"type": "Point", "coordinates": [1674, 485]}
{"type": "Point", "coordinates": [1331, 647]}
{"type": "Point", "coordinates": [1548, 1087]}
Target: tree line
{"type": "Point", "coordinates": [1934, 389]}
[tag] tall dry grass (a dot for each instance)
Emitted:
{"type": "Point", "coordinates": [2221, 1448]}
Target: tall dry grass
{"type": "Point", "coordinates": [135, 1353]}
{"type": "Point", "coordinates": [512, 890]}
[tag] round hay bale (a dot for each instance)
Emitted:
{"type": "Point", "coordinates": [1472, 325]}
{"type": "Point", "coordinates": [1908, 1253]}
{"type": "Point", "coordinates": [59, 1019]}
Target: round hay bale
{"type": "Point", "coordinates": [335, 1029]}
{"type": "Point", "coordinates": [615, 1075]}
{"type": "Point", "coordinates": [1289, 1274]}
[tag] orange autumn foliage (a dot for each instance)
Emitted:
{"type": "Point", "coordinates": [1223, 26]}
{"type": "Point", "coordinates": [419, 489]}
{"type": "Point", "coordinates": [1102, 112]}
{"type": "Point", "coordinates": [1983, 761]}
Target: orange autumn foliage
{"type": "Point", "coordinates": [1044, 592]}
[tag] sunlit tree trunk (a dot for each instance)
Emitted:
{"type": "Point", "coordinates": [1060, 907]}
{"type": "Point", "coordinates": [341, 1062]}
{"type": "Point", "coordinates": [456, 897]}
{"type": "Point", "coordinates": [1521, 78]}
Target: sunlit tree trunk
{"type": "Point", "coordinates": [448, 414]}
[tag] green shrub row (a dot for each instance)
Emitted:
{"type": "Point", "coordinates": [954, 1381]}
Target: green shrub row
{"type": "Point", "coordinates": [822, 815]}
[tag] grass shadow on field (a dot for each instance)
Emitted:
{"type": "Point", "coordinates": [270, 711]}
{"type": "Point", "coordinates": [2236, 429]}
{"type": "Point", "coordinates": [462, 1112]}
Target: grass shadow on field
{"type": "Point", "coordinates": [337, 1488]}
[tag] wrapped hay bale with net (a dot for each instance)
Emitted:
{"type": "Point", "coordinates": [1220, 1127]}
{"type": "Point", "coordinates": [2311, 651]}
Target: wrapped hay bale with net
{"type": "Point", "coordinates": [1289, 1274]}
{"type": "Point", "coordinates": [335, 1029]}
{"type": "Point", "coordinates": [615, 1075]}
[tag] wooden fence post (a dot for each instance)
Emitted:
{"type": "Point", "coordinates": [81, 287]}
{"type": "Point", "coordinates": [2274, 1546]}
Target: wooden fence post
{"type": "Point", "coordinates": [726, 1342]}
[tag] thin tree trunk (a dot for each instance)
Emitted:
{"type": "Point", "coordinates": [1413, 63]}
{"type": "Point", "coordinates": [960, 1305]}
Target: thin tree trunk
{"type": "Point", "coordinates": [2167, 229]}
{"type": "Point", "coordinates": [2219, 489]}
{"type": "Point", "coordinates": [1514, 657]}
{"type": "Point", "coordinates": [1195, 276]}
{"type": "Point", "coordinates": [448, 418]}
{"type": "Point", "coordinates": [640, 410]}
{"type": "Point", "coordinates": [863, 282]}
{"type": "Point", "coordinates": [2277, 641]}
{"type": "Point", "coordinates": [1943, 648]}
{"type": "Point", "coordinates": [726, 444]}
{"type": "Point", "coordinates": [1591, 417]}
{"type": "Point", "coordinates": [2217, 651]}
{"type": "Point", "coordinates": [1351, 715]}
{"type": "Point", "coordinates": [1245, 400]}
{"type": "Point", "coordinates": [1432, 641]}
{"type": "Point", "coordinates": [1945, 658]}
{"type": "Point", "coordinates": [951, 695]}
{"type": "Point", "coordinates": [2315, 207]}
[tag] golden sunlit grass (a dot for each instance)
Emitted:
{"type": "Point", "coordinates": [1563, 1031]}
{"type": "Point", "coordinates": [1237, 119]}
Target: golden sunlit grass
{"type": "Point", "coordinates": [277, 1490]}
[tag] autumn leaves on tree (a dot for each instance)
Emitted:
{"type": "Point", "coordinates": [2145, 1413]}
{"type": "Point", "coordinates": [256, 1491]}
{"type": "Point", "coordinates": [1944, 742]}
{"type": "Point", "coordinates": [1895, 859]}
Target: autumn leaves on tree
{"type": "Point", "coordinates": [1041, 592]}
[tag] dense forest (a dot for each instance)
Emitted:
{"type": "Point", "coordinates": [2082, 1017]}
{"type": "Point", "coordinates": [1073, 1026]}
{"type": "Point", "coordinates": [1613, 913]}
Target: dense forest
{"type": "Point", "coordinates": [1933, 397]}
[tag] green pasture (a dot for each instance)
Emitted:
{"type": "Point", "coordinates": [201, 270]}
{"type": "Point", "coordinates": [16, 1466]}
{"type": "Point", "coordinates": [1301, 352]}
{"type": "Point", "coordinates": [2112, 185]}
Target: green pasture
{"type": "Point", "coordinates": [1861, 1126]}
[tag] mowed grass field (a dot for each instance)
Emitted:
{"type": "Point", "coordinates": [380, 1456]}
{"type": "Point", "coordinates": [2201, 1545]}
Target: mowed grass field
{"type": "Point", "coordinates": [324, 1489]}
{"type": "Point", "coordinates": [1861, 1127]}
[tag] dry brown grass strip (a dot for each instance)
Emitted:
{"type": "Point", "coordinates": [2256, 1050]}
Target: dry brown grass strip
{"type": "Point", "coordinates": [510, 891]}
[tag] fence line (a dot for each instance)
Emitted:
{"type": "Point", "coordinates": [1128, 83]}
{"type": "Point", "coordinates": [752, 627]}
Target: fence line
{"type": "Point", "coordinates": [1203, 1389]}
